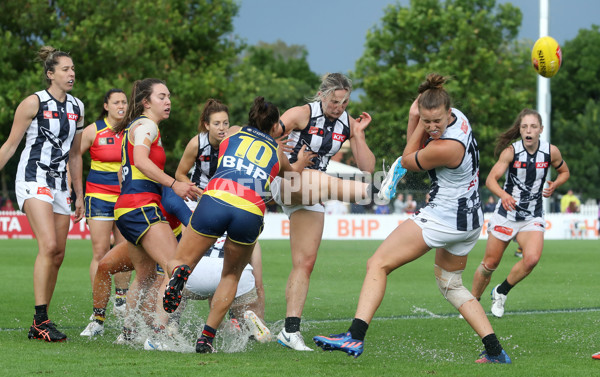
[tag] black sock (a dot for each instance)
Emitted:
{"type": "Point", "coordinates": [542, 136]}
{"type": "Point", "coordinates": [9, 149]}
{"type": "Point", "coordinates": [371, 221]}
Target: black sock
{"type": "Point", "coordinates": [374, 189]}
{"type": "Point", "coordinates": [358, 329]}
{"type": "Point", "coordinates": [209, 333]}
{"type": "Point", "coordinates": [504, 288]}
{"type": "Point", "coordinates": [492, 345]}
{"type": "Point", "coordinates": [371, 192]}
{"type": "Point", "coordinates": [292, 324]}
{"type": "Point", "coordinates": [41, 313]}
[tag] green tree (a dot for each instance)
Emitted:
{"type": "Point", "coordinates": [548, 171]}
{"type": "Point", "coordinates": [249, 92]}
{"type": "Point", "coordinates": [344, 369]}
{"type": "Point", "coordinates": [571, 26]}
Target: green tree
{"type": "Point", "coordinates": [578, 139]}
{"type": "Point", "coordinates": [575, 106]}
{"type": "Point", "coordinates": [188, 43]}
{"type": "Point", "coordinates": [185, 42]}
{"type": "Point", "coordinates": [278, 72]}
{"type": "Point", "coordinates": [577, 80]}
{"type": "Point", "coordinates": [22, 24]}
{"type": "Point", "coordinates": [473, 42]}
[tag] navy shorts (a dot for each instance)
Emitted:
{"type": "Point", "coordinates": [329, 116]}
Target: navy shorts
{"type": "Point", "coordinates": [134, 224]}
{"type": "Point", "coordinates": [213, 217]}
{"type": "Point", "coordinates": [98, 209]}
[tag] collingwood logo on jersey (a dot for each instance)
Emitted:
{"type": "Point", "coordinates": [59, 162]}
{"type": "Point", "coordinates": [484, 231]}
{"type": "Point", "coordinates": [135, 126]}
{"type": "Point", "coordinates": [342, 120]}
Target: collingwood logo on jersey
{"type": "Point", "coordinates": [56, 144]}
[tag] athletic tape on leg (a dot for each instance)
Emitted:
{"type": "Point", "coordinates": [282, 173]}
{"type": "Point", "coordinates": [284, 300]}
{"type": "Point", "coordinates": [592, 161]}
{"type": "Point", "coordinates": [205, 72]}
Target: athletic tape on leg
{"type": "Point", "coordinates": [484, 271]}
{"type": "Point", "coordinates": [451, 286]}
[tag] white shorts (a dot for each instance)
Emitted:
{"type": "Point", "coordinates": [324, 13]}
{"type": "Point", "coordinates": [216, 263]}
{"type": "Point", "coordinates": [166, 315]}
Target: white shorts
{"type": "Point", "coordinates": [206, 276]}
{"type": "Point", "coordinates": [288, 210]}
{"type": "Point", "coordinates": [506, 230]}
{"type": "Point", "coordinates": [60, 200]}
{"type": "Point", "coordinates": [439, 235]}
{"type": "Point", "coordinates": [192, 204]}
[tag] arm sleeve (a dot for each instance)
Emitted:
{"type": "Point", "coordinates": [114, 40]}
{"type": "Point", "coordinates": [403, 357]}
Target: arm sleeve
{"type": "Point", "coordinates": [175, 206]}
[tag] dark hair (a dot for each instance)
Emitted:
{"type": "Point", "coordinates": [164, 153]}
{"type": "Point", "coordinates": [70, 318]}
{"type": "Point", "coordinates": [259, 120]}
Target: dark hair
{"type": "Point", "coordinates": [104, 112]}
{"type": "Point", "coordinates": [48, 55]}
{"type": "Point", "coordinates": [263, 115]}
{"type": "Point", "coordinates": [141, 90]}
{"type": "Point", "coordinates": [514, 132]}
{"type": "Point", "coordinates": [433, 94]}
{"type": "Point", "coordinates": [210, 107]}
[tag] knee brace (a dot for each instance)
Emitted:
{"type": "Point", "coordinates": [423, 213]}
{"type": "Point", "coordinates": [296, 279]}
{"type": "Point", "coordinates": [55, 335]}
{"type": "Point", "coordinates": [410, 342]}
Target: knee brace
{"type": "Point", "coordinates": [451, 286]}
{"type": "Point", "coordinates": [484, 271]}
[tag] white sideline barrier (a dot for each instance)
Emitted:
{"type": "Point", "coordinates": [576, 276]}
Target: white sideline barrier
{"type": "Point", "coordinates": [337, 227]}
{"type": "Point", "coordinates": [377, 227]}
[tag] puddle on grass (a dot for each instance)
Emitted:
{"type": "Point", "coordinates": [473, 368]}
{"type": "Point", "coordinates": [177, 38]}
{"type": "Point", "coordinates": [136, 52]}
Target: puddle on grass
{"type": "Point", "coordinates": [179, 337]}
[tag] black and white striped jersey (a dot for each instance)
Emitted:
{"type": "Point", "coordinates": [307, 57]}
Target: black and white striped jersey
{"type": "Point", "coordinates": [454, 194]}
{"type": "Point", "coordinates": [321, 136]}
{"type": "Point", "coordinates": [48, 141]}
{"type": "Point", "coordinates": [216, 250]}
{"type": "Point", "coordinates": [206, 162]}
{"type": "Point", "coordinates": [524, 181]}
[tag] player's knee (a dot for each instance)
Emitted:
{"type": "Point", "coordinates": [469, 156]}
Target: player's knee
{"type": "Point", "coordinates": [375, 263]}
{"type": "Point", "coordinates": [50, 249]}
{"type": "Point", "coordinates": [484, 270]}
{"type": "Point", "coordinates": [103, 267]}
{"type": "Point", "coordinates": [451, 286]}
{"type": "Point", "coordinates": [305, 266]}
{"type": "Point", "coordinates": [530, 263]}
{"type": "Point", "coordinates": [304, 261]}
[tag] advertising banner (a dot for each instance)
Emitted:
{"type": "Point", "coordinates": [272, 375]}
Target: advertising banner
{"type": "Point", "coordinates": [14, 225]}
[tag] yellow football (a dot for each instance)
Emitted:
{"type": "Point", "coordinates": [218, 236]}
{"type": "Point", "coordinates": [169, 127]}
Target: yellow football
{"type": "Point", "coordinates": [546, 56]}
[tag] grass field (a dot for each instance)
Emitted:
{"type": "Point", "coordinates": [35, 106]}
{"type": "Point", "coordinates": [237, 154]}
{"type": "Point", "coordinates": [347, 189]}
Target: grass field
{"type": "Point", "coordinates": [551, 327]}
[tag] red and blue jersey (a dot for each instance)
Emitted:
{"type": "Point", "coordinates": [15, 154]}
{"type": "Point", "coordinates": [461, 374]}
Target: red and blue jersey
{"type": "Point", "coordinates": [248, 162]}
{"type": "Point", "coordinates": [137, 190]}
{"type": "Point", "coordinates": [103, 180]}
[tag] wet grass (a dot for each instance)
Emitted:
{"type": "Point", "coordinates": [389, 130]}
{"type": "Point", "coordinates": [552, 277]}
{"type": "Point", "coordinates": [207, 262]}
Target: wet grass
{"type": "Point", "coordinates": [550, 328]}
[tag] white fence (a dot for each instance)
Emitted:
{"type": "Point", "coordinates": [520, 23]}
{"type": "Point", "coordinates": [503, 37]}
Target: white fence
{"type": "Point", "coordinates": [589, 210]}
{"type": "Point", "coordinates": [357, 227]}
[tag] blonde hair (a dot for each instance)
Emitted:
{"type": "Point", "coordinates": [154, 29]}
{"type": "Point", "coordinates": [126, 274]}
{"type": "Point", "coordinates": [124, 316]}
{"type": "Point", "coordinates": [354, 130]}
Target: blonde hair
{"type": "Point", "coordinates": [330, 82]}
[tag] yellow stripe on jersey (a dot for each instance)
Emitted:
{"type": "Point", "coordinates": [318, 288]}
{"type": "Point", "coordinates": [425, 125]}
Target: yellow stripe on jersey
{"type": "Point", "coordinates": [121, 211]}
{"type": "Point", "coordinates": [235, 201]}
{"type": "Point", "coordinates": [106, 197]}
{"type": "Point", "coordinates": [137, 174]}
{"type": "Point", "coordinates": [111, 167]}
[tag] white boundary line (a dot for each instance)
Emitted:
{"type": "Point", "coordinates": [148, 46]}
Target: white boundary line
{"type": "Point", "coordinates": [428, 315]}
{"type": "Point", "coordinates": [431, 315]}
